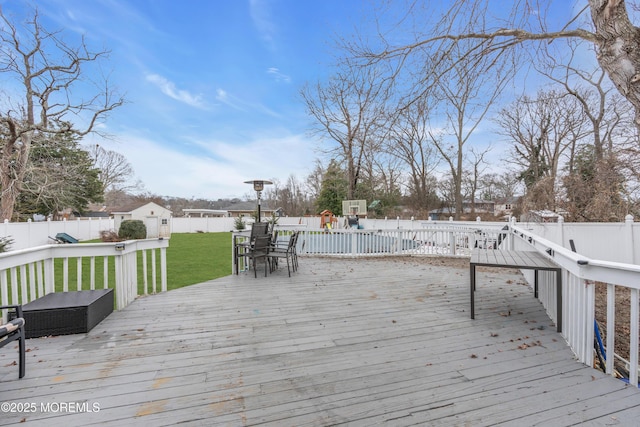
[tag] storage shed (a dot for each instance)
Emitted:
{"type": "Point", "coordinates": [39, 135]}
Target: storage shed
{"type": "Point", "coordinates": [156, 218]}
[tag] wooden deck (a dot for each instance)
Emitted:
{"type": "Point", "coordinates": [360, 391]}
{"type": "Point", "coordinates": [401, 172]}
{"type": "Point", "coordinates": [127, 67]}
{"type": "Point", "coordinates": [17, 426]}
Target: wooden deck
{"type": "Point", "coordinates": [341, 342]}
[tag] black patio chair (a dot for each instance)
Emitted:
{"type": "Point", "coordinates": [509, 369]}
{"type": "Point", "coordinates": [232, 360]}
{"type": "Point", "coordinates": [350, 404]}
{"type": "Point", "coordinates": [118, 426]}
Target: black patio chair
{"type": "Point", "coordinates": [287, 252]}
{"type": "Point", "coordinates": [259, 250]}
{"type": "Point", "coordinates": [241, 249]}
{"type": "Point", "coordinates": [258, 229]}
{"type": "Point", "coordinates": [12, 331]}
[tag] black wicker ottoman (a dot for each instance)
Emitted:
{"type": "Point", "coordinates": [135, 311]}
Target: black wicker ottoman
{"type": "Point", "coordinates": [64, 313]}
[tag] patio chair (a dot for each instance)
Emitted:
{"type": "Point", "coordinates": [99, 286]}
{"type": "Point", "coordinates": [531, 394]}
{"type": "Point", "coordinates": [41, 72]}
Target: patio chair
{"type": "Point", "coordinates": [12, 331]}
{"type": "Point", "coordinates": [259, 250]}
{"type": "Point", "coordinates": [241, 249]}
{"type": "Point", "coordinates": [287, 252]}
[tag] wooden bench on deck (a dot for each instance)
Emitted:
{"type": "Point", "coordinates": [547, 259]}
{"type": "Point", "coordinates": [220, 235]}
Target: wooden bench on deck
{"type": "Point", "coordinates": [529, 260]}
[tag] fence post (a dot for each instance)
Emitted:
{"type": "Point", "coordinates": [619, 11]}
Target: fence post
{"type": "Point", "coordinates": [511, 236]}
{"type": "Point", "coordinates": [452, 239]}
{"type": "Point", "coordinates": [628, 225]}
{"type": "Point", "coordinates": [561, 231]}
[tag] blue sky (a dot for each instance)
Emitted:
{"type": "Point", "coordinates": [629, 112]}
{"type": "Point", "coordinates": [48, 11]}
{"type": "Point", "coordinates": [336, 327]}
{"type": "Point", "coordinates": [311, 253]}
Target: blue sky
{"type": "Point", "coordinates": [211, 85]}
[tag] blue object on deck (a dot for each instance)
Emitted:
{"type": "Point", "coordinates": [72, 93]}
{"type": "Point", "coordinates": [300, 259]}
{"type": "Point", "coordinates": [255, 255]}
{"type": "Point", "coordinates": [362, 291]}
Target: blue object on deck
{"type": "Point", "coordinates": [599, 339]}
{"type": "Point", "coordinates": [65, 238]}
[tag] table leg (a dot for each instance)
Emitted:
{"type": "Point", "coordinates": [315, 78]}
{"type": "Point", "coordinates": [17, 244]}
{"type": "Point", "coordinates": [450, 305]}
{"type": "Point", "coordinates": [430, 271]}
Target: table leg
{"type": "Point", "coordinates": [472, 286]}
{"type": "Point", "coordinates": [559, 299]}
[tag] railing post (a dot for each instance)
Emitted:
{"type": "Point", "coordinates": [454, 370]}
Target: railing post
{"type": "Point", "coordinates": [49, 275]}
{"type": "Point", "coordinates": [120, 282]}
{"type": "Point", "coordinates": [145, 279]}
{"type": "Point", "coordinates": [633, 338]}
{"type": "Point", "coordinates": [511, 235]}
{"type": "Point", "coordinates": [154, 274]}
{"type": "Point", "coordinates": [163, 269]}
{"type": "Point", "coordinates": [611, 324]}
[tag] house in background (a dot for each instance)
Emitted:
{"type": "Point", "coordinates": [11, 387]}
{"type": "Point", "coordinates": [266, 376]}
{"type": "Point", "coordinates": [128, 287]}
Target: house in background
{"type": "Point", "coordinates": [441, 214]}
{"type": "Point", "coordinates": [155, 217]}
{"type": "Point", "coordinates": [249, 209]}
{"type": "Point", "coordinates": [205, 213]}
{"type": "Point", "coordinates": [505, 206]}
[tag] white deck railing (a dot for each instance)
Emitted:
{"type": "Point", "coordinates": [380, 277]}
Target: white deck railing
{"type": "Point", "coordinates": [578, 287]}
{"type": "Point", "coordinates": [438, 239]}
{"type": "Point", "coordinates": [129, 267]}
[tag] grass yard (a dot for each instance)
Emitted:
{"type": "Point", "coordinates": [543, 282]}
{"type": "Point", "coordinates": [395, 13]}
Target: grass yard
{"type": "Point", "coordinates": [197, 257]}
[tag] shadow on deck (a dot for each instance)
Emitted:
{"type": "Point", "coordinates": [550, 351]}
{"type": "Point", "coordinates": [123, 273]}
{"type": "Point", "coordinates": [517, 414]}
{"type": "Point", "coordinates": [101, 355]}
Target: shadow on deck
{"type": "Point", "coordinates": [358, 342]}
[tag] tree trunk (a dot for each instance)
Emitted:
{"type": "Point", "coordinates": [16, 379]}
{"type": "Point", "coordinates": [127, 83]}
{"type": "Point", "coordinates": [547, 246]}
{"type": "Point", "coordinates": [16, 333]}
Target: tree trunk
{"type": "Point", "coordinates": [617, 45]}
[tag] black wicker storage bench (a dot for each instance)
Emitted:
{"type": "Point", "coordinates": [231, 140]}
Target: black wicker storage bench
{"type": "Point", "coordinates": [64, 313]}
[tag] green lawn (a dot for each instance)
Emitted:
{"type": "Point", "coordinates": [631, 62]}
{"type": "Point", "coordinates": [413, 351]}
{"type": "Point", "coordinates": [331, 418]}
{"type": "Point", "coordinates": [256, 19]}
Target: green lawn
{"type": "Point", "coordinates": [197, 257]}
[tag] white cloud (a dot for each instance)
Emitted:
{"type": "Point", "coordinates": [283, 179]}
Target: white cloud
{"type": "Point", "coordinates": [278, 75]}
{"type": "Point", "coordinates": [242, 105]}
{"type": "Point", "coordinates": [263, 21]}
{"type": "Point", "coordinates": [224, 97]}
{"type": "Point", "coordinates": [169, 88]}
{"type": "Point", "coordinates": [170, 171]}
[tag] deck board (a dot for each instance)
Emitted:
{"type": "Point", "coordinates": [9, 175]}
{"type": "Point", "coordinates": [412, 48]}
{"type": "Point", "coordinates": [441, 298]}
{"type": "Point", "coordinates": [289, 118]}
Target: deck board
{"type": "Point", "coordinates": [354, 342]}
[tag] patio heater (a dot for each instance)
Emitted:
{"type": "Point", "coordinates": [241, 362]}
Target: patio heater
{"type": "Point", "coordinates": [258, 186]}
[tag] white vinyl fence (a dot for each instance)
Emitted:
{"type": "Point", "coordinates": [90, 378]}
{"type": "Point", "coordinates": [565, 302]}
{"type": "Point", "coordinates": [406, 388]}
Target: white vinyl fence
{"type": "Point", "coordinates": [38, 233]}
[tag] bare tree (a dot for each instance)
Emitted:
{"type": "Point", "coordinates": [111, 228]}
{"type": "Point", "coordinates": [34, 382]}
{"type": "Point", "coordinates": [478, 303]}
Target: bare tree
{"type": "Point", "coordinates": [291, 197]}
{"type": "Point", "coordinates": [466, 96]}
{"type": "Point", "coordinates": [313, 181]}
{"type": "Point", "coordinates": [477, 166]}
{"type": "Point", "coordinates": [349, 110]}
{"type": "Point", "coordinates": [115, 169]}
{"type": "Point", "coordinates": [541, 129]}
{"type": "Point", "coordinates": [499, 186]}
{"type": "Point", "coordinates": [464, 23]}
{"type": "Point", "coordinates": [605, 112]}
{"type": "Point", "coordinates": [46, 70]}
{"type": "Point", "coordinates": [595, 184]}
{"type": "Point", "coordinates": [409, 141]}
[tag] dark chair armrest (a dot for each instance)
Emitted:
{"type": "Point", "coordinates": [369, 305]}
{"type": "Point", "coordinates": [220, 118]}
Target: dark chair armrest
{"type": "Point", "coordinates": [17, 308]}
